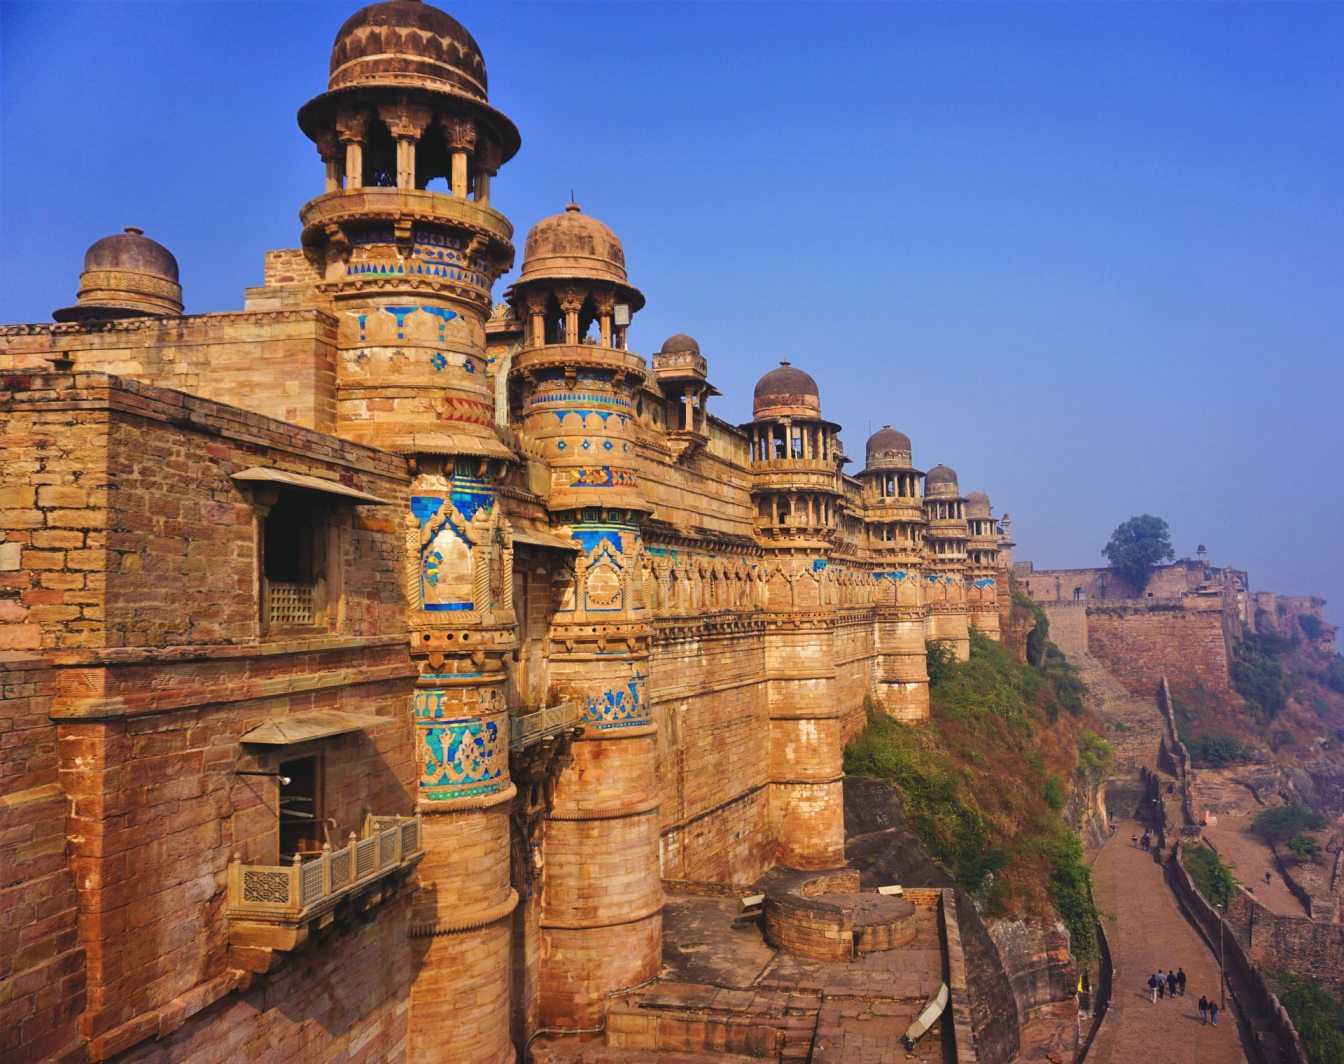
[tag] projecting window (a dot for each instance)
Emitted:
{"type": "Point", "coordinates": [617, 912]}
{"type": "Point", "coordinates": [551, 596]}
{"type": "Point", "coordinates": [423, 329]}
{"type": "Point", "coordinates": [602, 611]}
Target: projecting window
{"type": "Point", "coordinates": [295, 555]}
{"type": "Point", "coordinates": [301, 815]}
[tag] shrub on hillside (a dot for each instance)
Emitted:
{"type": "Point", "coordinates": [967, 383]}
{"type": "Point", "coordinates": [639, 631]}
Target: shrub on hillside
{"type": "Point", "coordinates": [1280, 823]}
{"type": "Point", "coordinates": [1211, 877]}
{"type": "Point", "coordinates": [1210, 751]}
{"type": "Point", "coordinates": [1317, 1015]}
{"type": "Point", "coordinates": [1304, 847]}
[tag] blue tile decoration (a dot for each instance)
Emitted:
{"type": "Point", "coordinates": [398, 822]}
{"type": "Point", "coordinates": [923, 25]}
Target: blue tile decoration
{"type": "Point", "coordinates": [459, 757]}
{"type": "Point", "coordinates": [622, 707]}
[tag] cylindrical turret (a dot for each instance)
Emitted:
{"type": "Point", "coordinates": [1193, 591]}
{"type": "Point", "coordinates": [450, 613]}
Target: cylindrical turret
{"type": "Point", "coordinates": [404, 235]}
{"type": "Point", "coordinates": [797, 491]}
{"type": "Point", "coordinates": [982, 566]}
{"type": "Point", "coordinates": [408, 247]}
{"type": "Point", "coordinates": [894, 515]}
{"type": "Point", "coordinates": [572, 387]}
{"type": "Point", "coordinates": [945, 560]}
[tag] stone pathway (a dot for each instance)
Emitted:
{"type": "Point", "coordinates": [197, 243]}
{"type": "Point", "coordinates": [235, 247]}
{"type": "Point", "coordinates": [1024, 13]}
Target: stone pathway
{"type": "Point", "coordinates": [1149, 932]}
{"type": "Point", "coordinates": [1250, 859]}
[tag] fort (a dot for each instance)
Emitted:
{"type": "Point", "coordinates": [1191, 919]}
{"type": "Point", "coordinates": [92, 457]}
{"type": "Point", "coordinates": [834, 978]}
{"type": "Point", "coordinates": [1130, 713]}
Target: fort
{"type": "Point", "coordinates": [385, 664]}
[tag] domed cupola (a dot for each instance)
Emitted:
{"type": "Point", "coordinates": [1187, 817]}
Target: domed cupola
{"type": "Point", "coordinates": [888, 449]}
{"type": "Point", "coordinates": [406, 42]}
{"type": "Point", "coordinates": [573, 279]}
{"type": "Point", "coordinates": [573, 383]}
{"type": "Point", "coordinates": [941, 482]}
{"type": "Point", "coordinates": [127, 275]}
{"type": "Point", "coordinates": [574, 245]}
{"type": "Point", "coordinates": [786, 392]}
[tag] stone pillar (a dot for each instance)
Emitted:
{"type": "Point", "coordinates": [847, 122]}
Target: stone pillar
{"type": "Point", "coordinates": [328, 149]}
{"type": "Point", "coordinates": [461, 136]}
{"type": "Point", "coordinates": [571, 305]}
{"type": "Point", "coordinates": [459, 1007]}
{"type": "Point", "coordinates": [352, 127]}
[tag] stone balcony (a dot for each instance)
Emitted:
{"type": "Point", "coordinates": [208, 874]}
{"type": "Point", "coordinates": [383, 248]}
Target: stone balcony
{"type": "Point", "coordinates": [529, 729]}
{"type": "Point", "coordinates": [273, 909]}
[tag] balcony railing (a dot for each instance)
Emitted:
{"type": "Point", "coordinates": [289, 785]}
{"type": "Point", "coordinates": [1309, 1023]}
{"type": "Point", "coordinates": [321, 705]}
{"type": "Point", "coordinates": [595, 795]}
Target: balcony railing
{"type": "Point", "coordinates": [294, 893]}
{"type": "Point", "coordinates": [534, 727]}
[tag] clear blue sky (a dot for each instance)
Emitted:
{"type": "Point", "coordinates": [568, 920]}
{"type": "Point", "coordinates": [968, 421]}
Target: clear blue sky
{"type": "Point", "coordinates": [1090, 256]}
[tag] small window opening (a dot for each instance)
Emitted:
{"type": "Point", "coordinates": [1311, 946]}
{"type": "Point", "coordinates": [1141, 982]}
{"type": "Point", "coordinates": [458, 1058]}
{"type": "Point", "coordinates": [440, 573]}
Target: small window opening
{"type": "Point", "coordinates": [301, 814]}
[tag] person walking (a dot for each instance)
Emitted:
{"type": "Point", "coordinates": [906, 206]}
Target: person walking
{"type": "Point", "coordinates": [1134, 840]}
{"type": "Point", "coordinates": [1152, 985]}
{"type": "Point", "coordinates": [1213, 1013]}
{"type": "Point", "coordinates": [1180, 980]}
{"type": "Point", "coordinates": [1161, 984]}
{"type": "Point", "coordinates": [1204, 1010]}
{"type": "Point", "coordinates": [1171, 984]}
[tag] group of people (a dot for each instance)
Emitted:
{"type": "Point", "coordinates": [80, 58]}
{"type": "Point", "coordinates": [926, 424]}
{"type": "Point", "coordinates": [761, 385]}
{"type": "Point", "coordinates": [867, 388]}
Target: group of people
{"type": "Point", "coordinates": [1162, 985]}
{"type": "Point", "coordinates": [1172, 985]}
{"type": "Point", "coordinates": [1144, 844]}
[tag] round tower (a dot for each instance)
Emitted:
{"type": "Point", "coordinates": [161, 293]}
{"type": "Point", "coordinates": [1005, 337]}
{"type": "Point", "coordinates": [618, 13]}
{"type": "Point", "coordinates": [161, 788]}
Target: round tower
{"type": "Point", "coordinates": [573, 385]}
{"type": "Point", "coordinates": [895, 523]}
{"type": "Point", "coordinates": [982, 566]}
{"type": "Point", "coordinates": [797, 492]}
{"type": "Point", "coordinates": [126, 275]}
{"type": "Point", "coordinates": [945, 560]}
{"type": "Point", "coordinates": [408, 247]}
{"type": "Point", "coordinates": [404, 236]}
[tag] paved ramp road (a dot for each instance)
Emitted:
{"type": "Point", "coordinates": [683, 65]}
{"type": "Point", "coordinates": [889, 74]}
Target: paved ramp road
{"type": "Point", "coordinates": [1148, 933]}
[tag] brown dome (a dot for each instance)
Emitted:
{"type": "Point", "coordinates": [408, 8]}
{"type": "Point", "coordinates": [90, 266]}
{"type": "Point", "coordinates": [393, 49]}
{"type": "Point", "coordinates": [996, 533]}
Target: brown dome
{"type": "Point", "coordinates": [575, 246]}
{"type": "Point", "coordinates": [680, 344]}
{"type": "Point", "coordinates": [126, 275]}
{"type": "Point", "coordinates": [977, 504]}
{"type": "Point", "coordinates": [406, 42]}
{"type": "Point", "coordinates": [785, 392]}
{"type": "Point", "coordinates": [888, 449]}
{"type": "Point", "coordinates": [941, 481]}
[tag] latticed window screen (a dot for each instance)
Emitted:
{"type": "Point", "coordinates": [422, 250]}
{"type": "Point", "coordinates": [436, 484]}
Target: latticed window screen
{"type": "Point", "coordinates": [289, 603]}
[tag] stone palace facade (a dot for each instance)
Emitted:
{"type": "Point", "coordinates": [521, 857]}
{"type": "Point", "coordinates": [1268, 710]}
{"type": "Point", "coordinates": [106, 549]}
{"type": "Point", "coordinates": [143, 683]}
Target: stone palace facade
{"type": "Point", "coordinates": [373, 655]}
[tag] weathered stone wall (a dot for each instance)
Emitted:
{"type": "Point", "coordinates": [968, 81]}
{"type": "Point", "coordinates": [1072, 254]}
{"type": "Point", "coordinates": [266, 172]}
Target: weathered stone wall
{"type": "Point", "coordinates": [708, 693]}
{"type": "Point", "coordinates": [210, 355]}
{"type": "Point", "coordinates": [41, 959]}
{"type": "Point", "coordinates": [1141, 644]}
{"type": "Point", "coordinates": [1289, 943]}
{"type": "Point", "coordinates": [343, 999]}
{"type": "Point", "coordinates": [1037, 961]}
{"type": "Point", "coordinates": [1102, 582]}
{"type": "Point", "coordinates": [137, 571]}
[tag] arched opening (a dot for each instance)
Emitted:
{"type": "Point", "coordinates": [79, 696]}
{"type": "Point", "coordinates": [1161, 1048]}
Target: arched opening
{"type": "Point", "coordinates": [554, 320]}
{"type": "Point", "coordinates": [432, 161]}
{"type": "Point", "coordinates": [380, 158]}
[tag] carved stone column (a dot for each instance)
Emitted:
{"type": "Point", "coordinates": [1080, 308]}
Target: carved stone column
{"type": "Point", "coordinates": [352, 127]}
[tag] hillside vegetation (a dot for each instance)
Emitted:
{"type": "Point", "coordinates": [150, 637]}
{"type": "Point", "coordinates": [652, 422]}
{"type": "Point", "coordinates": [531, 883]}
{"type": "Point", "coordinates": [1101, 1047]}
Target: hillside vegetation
{"type": "Point", "coordinates": [986, 782]}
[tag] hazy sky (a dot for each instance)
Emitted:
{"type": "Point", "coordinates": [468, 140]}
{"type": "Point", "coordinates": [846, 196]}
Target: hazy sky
{"type": "Point", "coordinates": [1090, 256]}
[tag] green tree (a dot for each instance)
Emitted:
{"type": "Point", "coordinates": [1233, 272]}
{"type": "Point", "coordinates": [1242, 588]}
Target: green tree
{"type": "Point", "coordinates": [1136, 546]}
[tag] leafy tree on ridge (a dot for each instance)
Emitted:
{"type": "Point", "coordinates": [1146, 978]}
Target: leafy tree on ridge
{"type": "Point", "coordinates": [1138, 545]}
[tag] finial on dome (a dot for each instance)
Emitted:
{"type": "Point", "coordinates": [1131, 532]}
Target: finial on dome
{"type": "Point", "coordinates": [784, 363]}
{"type": "Point", "coordinates": [134, 230]}
{"type": "Point", "coordinates": [573, 207]}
